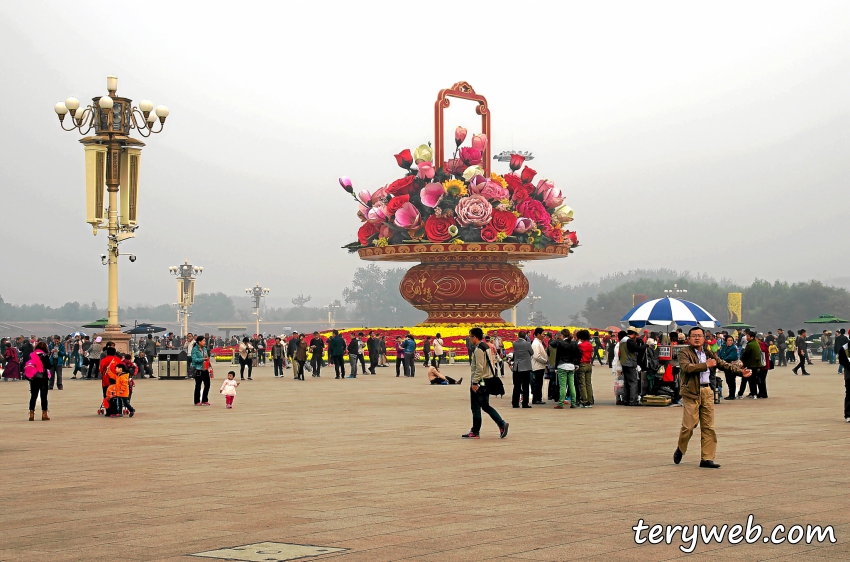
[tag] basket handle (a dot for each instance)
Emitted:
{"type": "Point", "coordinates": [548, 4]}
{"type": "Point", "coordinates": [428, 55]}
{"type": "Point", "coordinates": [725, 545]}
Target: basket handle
{"type": "Point", "coordinates": [464, 91]}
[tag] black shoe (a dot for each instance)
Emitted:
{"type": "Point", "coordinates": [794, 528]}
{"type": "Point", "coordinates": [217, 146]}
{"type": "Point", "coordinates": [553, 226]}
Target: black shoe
{"type": "Point", "coordinates": [730, 397]}
{"type": "Point", "coordinates": [514, 405]}
{"type": "Point", "coordinates": [503, 431]}
{"type": "Point", "coordinates": [541, 402]}
{"type": "Point", "coordinates": [708, 464]}
{"type": "Point", "coordinates": [677, 456]}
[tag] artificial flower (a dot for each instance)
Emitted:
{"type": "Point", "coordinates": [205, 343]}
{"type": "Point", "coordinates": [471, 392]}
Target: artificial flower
{"type": "Point", "coordinates": [379, 196]}
{"type": "Point", "coordinates": [395, 204]}
{"type": "Point", "coordinates": [556, 234]}
{"type": "Point", "coordinates": [407, 216]}
{"type": "Point", "coordinates": [455, 188]}
{"type": "Point", "coordinates": [563, 214]}
{"type": "Point", "coordinates": [377, 214]}
{"type": "Point", "coordinates": [501, 236]}
{"type": "Point", "coordinates": [457, 241]}
{"type": "Point", "coordinates": [516, 161]}
{"type": "Point", "coordinates": [489, 189]}
{"type": "Point", "coordinates": [426, 171]}
{"type": "Point", "coordinates": [455, 166]}
{"type": "Point", "coordinates": [499, 179]}
{"type": "Point", "coordinates": [423, 153]}
{"type": "Point", "coordinates": [489, 234]}
{"type": "Point", "coordinates": [476, 181]}
{"type": "Point", "coordinates": [365, 197]}
{"type": "Point", "coordinates": [381, 242]}
{"type": "Point", "coordinates": [513, 182]}
{"type": "Point", "coordinates": [504, 221]}
{"type": "Point", "coordinates": [473, 171]}
{"type": "Point", "coordinates": [473, 210]}
{"type": "Point", "coordinates": [523, 225]}
{"type": "Point", "coordinates": [362, 211]}
{"type": "Point", "coordinates": [366, 231]}
{"type": "Point", "coordinates": [572, 237]}
{"type": "Point", "coordinates": [345, 182]}
{"type": "Point", "coordinates": [401, 186]}
{"type": "Point", "coordinates": [534, 209]}
{"type": "Point", "coordinates": [453, 230]}
{"type": "Point", "coordinates": [385, 231]}
{"type": "Point", "coordinates": [470, 156]}
{"type": "Point", "coordinates": [404, 159]}
{"type": "Point", "coordinates": [432, 194]}
{"type": "Point", "coordinates": [550, 194]}
{"type": "Point", "coordinates": [527, 175]}
{"type": "Point", "coordinates": [460, 136]}
{"type": "Point", "coordinates": [479, 142]}
{"type": "Point", "coordinates": [438, 228]}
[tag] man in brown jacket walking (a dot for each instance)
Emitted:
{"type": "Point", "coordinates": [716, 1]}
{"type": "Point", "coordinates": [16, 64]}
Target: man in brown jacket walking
{"type": "Point", "coordinates": [697, 366]}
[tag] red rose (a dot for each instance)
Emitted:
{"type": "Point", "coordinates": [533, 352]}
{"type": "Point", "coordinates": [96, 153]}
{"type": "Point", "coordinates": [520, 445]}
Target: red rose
{"type": "Point", "coordinates": [516, 161]}
{"type": "Point", "coordinates": [535, 210]}
{"type": "Point", "coordinates": [556, 234]}
{"type": "Point", "coordinates": [455, 166]}
{"type": "Point", "coordinates": [514, 182]}
{"type": "Point", "coordinates": [404, 159]}
{"type": "Point", "coordinates": [489, 234]}
{"type": "Point", "coordinates": [396, 203]}
{"type": "Point", "coordinates": [528, 174]}
{"type": "Point", "coordinates": [504, 221]}
{"type": "Point", "coordinates": [470, 156]}
{"type": "Point", "coordinates": [572, 237]}
{"type": "Point", "coordinates": [365, 232]}
{"type": "Point", "coordinates": [437, 228]}
{"type": "Point", "coordinates": [400, 187]}
{"type": "Point", "coordinates": [522, 193]}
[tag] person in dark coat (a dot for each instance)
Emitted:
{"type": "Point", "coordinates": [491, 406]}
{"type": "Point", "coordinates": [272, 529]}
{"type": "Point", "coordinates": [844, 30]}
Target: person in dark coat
{"type": "Point", "coordinates": [317, 348]}
{"type": "Point", "coordinates": [521, 367]}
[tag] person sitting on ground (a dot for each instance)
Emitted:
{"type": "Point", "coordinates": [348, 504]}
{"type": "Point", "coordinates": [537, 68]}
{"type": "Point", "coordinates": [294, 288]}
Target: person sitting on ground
{"type": "Point", "coordinates": [436, 377]}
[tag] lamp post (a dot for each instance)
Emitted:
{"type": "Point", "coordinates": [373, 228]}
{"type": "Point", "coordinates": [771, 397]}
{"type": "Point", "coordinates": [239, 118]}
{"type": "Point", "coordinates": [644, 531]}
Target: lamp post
{"type": "Point", "coordinates": [257, 292]}
{"type": "Point", "coordinates": [675, 290]}
{"type": "Point", "coordinates": [332, 313]}
{"type": "Point", "coordinates": [185, 274]}
{"type": "Point", "coordinates": [112, 164]}
{"type": "Point", "coordinates": [531, 298]}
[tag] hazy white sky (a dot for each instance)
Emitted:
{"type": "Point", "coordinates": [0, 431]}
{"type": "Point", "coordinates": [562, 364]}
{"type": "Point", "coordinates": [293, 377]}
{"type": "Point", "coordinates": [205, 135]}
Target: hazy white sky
{"type": "Point", "coordinates": [664, 123]}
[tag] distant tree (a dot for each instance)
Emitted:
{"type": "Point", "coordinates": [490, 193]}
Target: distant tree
{"type": "Point", "coordinates": [301, 300]}
{"type": "Point", "coordinates": [374, 292]}
{"type": "Point", "coordinates": [211, 307]}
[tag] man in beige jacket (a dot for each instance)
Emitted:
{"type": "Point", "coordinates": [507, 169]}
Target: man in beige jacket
{"type": "Point", "coordinates": [697, 366]}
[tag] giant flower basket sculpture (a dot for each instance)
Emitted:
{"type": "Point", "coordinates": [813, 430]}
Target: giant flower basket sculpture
{"type": "Point", "coordinates": [466, 226]}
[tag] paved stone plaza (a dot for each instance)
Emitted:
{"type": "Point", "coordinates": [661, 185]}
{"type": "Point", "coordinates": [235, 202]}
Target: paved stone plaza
{"type": "Point", "coordinates": [374, 469]}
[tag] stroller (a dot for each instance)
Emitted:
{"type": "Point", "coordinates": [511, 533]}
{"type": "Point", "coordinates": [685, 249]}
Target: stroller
{"type": "Point", "coordinates": [109, 406]}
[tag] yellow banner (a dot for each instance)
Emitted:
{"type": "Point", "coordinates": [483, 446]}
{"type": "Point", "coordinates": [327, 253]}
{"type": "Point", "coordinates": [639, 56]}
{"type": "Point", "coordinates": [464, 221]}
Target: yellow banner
{"type": "Point", "coordinates": [733, 305]}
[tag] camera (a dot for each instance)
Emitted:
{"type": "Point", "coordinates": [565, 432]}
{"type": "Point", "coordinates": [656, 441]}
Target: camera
{"type": "Point", "coordinates": [132, 257]}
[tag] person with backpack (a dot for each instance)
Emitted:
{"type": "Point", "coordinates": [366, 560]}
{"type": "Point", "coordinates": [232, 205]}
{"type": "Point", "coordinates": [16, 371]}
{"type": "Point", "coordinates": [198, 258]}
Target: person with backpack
{"type": "Point", "coordinates": [483, 376]}
{"type": "Point", "coordinates": [37, 371]}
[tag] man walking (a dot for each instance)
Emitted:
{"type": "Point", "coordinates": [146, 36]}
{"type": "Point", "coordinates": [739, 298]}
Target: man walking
{"type": "Point", "coordinates": [844, 361]}
{"type": "Point", "coordinates": [426, 350]}
{"type": "Point", "coordinates": [782, 344]}
{"type": "Point", "coordinates": [539, 361]}
{"type": "Point", "coordinates": [317, 348]}
{"type": "Point", "coordinates": [697, 367]}
{"type": "Point", "coordinates": [336, 352]}
{"type": "Point", "coordinates": [374, 352]}
{"type": "Point", "coordinates": [291, 348]}
{"type": "Point", "coordinates": [802, 352]}
{"type": "Point", "coordinates": [841, 340]}
{"type": "Point", "coordinates": [630, 346]}
{"type": "Point", "coordinates": [481, 367]}
{"type": "Point", "coordinates": [278, 353]}
{"type": "Point", "coordinates": [522, 371]}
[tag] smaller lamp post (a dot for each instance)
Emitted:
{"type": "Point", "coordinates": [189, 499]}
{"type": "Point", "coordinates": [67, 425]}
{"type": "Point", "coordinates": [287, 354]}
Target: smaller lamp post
{"type": "Point", "coordinates": [257, 293]}
{"type": "Point", "coordinates": [185, 274]}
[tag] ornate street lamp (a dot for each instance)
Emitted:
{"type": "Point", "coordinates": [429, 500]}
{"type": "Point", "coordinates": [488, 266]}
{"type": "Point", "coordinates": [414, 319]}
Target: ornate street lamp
{"type": "Point", "coordinates": [332, 313]}
{"type": "Point", "coordinates": [532, 299]}
{"type": "Point", "coordinates": [112, 165]}
{"type": "Point", "coordinates": [185, 274]}
{"type": "Point", "coordinates": [675, 290]}
{"type": "Point", "coordinates": [505, 155]}
{"type": "Point", "coordinates": [257, 292]}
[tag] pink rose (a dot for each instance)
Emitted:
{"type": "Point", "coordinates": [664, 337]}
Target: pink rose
{"type": "Point", "coordinates": [523, 225]}
{"type": "Point", "coordinates": [479, 142]}
{"type": "Point", "coordinates": [407, 216]}
{"type": "Point", "coordinates": [431, 194]}
{"type": "Point", "coordinates": [534, 209]}
{"type": "Point", "coordinates": [473, 210]}
{"type": "Point", "coordinates": [455, 166]}
{"type": "Point", "coordinates": [380, 196]}
{"type": "Point", "coordinates": [365, 197]}
{"type": "Point", "coordinates": [377, 214]}
{"type": "Point", "coordinates": [426, 171]}
{"type": "Point", "coordinates": [490, 189]}
{"type": "Point", "coordinates": [550, 194]}
{"type": "Point", "coordinates": [470, 156]}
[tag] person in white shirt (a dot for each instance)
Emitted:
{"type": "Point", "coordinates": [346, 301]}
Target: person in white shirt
{"type": "Point", "coordinates": [438, 349]}
{"type": "Point", "coordinates": [228, 388]}
{"type": "Point", "coordinates": [539, 361]}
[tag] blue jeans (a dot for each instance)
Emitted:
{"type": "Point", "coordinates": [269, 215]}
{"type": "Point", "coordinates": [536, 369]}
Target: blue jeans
{"type": "Point", "coordinates": [480, 400]}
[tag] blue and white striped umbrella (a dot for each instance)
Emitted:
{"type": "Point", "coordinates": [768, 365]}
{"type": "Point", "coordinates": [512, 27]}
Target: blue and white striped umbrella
{"type": "Point", "coordinates": [667, 311]}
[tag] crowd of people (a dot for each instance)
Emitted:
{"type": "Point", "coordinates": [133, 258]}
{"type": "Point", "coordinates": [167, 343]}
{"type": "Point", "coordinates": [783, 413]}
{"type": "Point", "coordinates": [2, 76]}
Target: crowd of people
{"type": "Point", "coordinates": [643, 363]}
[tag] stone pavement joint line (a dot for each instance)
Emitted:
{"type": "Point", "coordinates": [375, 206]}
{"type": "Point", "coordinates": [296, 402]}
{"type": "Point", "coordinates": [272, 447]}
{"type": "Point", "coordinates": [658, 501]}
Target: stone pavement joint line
{"type": "Point", "coordinates": [376, 466]}
{"type": "Point", "coordinates": [269, 552]}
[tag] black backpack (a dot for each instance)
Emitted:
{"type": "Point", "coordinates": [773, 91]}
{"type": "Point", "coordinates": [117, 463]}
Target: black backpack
{"type": "Point", "coordinates": [494, 384]}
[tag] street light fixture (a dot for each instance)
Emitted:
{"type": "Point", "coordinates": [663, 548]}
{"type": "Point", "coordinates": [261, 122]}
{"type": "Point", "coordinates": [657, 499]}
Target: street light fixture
{"type": "Point", "coordinates": [112, 164]}
{"type": "Point", "coordinates": [675, 290]}
{"type": "Point", "coordinates": [505, 155]}
{"type": "Point", "coordinates": [257, 292]}
{"type": "Point", "coordinates": [332, 312]}
{"type": "Point", "coordinates": [531, 298]}
{"type": "Point", "coordinates": [185, 274]}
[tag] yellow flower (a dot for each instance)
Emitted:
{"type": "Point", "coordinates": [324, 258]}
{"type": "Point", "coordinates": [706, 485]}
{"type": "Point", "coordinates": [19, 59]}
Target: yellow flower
{"type": "Point", "coordinates": [499, 179]}
{"type": "Point", "coordinates": [423, 154]}
{"type": "Point", "coordinates": [381, 242]}
{"type": "Point", "coordinates": [455, 188]}
{"type": "Point", "coordinates": [531, 239]}
{"type": "Point", "coordinates": [563, 214]}
{"type": "Point", "coordinates": [501, 236]}
{"type": "Point", "coordinates": [457, 241]}
{"type": "Point", "coordinates": [537, 231]}
{"type": "Point", "coordinates": [556, 225]}
{"type": "Point", "coordinates": [516, 213]}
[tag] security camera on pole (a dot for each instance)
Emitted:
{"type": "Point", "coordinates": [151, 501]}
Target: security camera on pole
{"type": "Point", "coordinates": [112, 165]}
{"type": "Point", "coordinates": [185, 274]}
{"type": "Point", "coordinates": [257, 292]}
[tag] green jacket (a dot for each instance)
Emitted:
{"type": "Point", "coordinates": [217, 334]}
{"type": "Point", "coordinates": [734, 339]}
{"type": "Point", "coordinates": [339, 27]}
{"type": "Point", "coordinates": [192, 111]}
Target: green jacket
{"type": "Point", "coordinates": [751, 355]}
{"type": "Point", "coordinates": [336, 346]}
